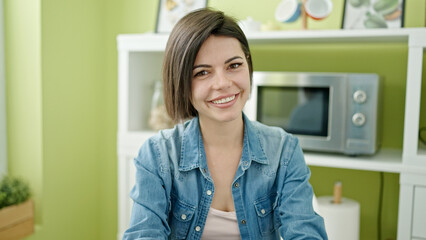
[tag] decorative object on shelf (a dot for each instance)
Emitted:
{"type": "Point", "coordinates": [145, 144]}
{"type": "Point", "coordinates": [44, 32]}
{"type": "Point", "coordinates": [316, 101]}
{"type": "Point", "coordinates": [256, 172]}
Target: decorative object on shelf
{"type": "Point", "coordinates": [16, 209]}
{"type": "Point", "coordinates": [318, 9]}
{"type": "Point", "coordinates": [159, 119]}
{"type": "Point", "coordinates": [422, 135]}
{"type": "Point", "coordinates": [290, 10]}
{"type": "Point", "coordinates": [341, 215]}
{"type": "Point", "coordinates": [270, 26]}
{"type": "Point", "coordinates": [361, 14]}
{"type": "Point", "coordinates": [249, 25]}
{"type": "Point", "coordinates": [170, 11]}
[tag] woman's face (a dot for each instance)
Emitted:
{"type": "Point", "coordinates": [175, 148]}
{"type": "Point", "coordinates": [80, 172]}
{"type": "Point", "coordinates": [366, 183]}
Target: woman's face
{"type": "Point", "coordinates": [220, 80]}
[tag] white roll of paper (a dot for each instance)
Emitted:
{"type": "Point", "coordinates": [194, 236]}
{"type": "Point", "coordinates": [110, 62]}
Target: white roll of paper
{"type": "Point", "coordinates": [341, 219]}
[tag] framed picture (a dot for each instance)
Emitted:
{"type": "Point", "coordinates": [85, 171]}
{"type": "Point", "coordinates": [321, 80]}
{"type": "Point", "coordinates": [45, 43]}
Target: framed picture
{"type": "Point", "coordinates": [363, 14]}
{"type": "Point", "coordinates": [171, 11]}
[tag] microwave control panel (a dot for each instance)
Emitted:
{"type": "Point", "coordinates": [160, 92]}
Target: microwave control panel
{"type": "Point", "coordinates": [362, 113]}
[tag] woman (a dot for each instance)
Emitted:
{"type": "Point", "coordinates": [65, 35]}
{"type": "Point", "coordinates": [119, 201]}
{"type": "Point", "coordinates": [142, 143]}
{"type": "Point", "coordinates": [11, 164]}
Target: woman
{"type": "Point", "coordinates": [218, 175]}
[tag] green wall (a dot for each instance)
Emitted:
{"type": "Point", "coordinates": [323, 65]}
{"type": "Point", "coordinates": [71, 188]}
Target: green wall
{"type": "Point", "coordinates": [72, 83]}
{"type": "Point", "coordinates": [23, 94]}
{"type": "Point", "coordinates": [61, 83]}
{"type": "Point", "coordinates": [54, 66]}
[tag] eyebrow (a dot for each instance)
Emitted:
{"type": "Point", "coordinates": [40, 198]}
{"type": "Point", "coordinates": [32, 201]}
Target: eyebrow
{"type": "Point", "coordinates": [207, 66]}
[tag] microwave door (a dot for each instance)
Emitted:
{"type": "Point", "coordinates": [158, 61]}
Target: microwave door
{"type": "Point", "coordinates": [302, 111]}
{"type": "Point", "coordinates": [314, 114]}
{"type": "Point", "coordinates": [309, 116]}
{"type": "Point", "coordinates": [333, 141]}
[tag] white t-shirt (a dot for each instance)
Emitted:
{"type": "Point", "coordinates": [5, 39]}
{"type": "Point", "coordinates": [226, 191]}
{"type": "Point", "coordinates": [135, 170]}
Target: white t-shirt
{"type": "Point", "coordinates": [221, 225]}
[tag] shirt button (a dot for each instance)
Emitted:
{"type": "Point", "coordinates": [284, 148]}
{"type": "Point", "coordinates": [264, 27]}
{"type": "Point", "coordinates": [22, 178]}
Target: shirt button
{"type": "Point", "coordinates": [236, 185]}
{"type": "Point", "coordinates": [263, 211]}
{"type": "Point", "coordinates": [209, 192]}
{"type": "Point", "coordinates": [204, 170]}
{"type": "Point", "coordinates": [183, 216]}
{"type": "Point", "coordinates": [243, 221]}
{"type": "Point", "coordinates": [197, 228]}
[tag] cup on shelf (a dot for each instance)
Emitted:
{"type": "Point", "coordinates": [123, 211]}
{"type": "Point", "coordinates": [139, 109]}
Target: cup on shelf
{"type": "Point", "coordinates": [318, 9]}
{"type": "Point", "coordinates": [288, 11]}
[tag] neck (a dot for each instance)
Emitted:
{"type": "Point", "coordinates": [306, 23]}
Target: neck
{"type": "Point", "coordinates": [224, 135]}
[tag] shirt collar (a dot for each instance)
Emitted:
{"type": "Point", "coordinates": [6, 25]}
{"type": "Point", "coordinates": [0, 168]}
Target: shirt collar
{"type": "Point", "coordinates": [255, 145]}
{"type": "Point", "coordinates": [191, 148]}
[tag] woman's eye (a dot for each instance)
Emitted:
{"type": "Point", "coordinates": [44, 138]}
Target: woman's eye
{"type": "Point", "coordinates": [235, 65]}
{"type": "Point", "coordinates": [201, 73]}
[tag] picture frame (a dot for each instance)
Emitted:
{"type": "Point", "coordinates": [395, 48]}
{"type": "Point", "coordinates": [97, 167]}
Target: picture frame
{"type": "Point", "coordinates": [365, 14]}
{"type": "Point", "coordinates": [171, 11]}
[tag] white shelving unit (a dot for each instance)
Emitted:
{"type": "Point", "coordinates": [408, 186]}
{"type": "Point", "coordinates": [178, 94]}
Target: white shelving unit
{"type": "Point", "coordinates": [140, 62]}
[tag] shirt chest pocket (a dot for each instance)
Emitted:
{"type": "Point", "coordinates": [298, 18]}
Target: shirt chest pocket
{"type": "Point", "coordinates": [265, 213]}
{"type": "Point", "coordinates": [180, 220]}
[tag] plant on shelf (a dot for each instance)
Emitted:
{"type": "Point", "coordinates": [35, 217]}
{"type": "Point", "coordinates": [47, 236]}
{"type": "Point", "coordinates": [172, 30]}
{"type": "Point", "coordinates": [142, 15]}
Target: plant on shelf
{"type": "Point", "coordinates": [13, 191]}
{"type": "Point", "coordinates": [16, 209]}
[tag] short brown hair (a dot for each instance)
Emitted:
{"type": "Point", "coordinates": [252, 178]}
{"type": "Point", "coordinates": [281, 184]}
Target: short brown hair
{"type": "Point", "coordinates": [182, 48]}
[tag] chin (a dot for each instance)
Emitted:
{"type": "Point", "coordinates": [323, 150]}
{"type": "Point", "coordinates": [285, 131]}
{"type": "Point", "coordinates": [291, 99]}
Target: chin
{"type": "Point", "coordinates": [224, 115]}
{"type": "Point", "coordinates": [229, 117]}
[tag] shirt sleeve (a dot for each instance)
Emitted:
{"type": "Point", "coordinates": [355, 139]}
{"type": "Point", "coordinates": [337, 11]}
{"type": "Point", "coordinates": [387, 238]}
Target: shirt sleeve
{"type": "Point", "coordinates": [296, 214]}
{"type": "Point", "coordinates": [150, 208]}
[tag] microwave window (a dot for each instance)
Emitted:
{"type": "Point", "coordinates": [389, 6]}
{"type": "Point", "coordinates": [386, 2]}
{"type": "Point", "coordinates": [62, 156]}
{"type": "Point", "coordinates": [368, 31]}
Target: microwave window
{"type": "Point", "coordinates": [298, 110]}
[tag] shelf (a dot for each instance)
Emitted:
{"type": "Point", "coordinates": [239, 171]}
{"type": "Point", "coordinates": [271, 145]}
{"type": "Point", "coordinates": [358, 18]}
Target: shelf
{"type": "Point", "coordinates": [157, 42]}
{"type": "Point", "coordinates": [318, 36]}
{"type": "Point", "coordinates": [385, 160]}
{"type": "Point", "coordinates": [146, 50]}
{"type": "Point", "coordinates": [151, 42]}
{"type": "Point", "coordinates": [140, 58]}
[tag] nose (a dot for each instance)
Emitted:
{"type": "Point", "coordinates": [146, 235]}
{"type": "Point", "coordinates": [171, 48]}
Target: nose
{"type": "Point", "coordinates": [222, 81]}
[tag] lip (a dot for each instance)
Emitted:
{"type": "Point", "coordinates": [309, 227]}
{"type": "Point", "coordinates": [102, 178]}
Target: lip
{"type": "Point", "coordinates": [223, 96]}
{"type": "Point", "coordinates": [224, 105]}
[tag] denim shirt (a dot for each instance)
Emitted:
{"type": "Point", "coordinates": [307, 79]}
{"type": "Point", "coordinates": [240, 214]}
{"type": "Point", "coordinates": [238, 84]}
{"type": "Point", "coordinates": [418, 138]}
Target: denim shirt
{"type": "Point", "coordinates": [271, 193]}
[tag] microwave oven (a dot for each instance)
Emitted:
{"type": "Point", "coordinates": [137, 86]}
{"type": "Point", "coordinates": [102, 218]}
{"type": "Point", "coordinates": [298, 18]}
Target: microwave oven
{"type": "Point", "coordinates": [328, 112]}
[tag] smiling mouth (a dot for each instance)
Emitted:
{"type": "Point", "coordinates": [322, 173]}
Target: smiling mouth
{"type": "Point", "coordinates": [224, 100]}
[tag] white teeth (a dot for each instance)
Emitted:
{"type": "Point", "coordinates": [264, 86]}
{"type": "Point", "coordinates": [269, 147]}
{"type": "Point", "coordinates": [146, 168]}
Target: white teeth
{"type": "Point", "coordinates": [224, 100]}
